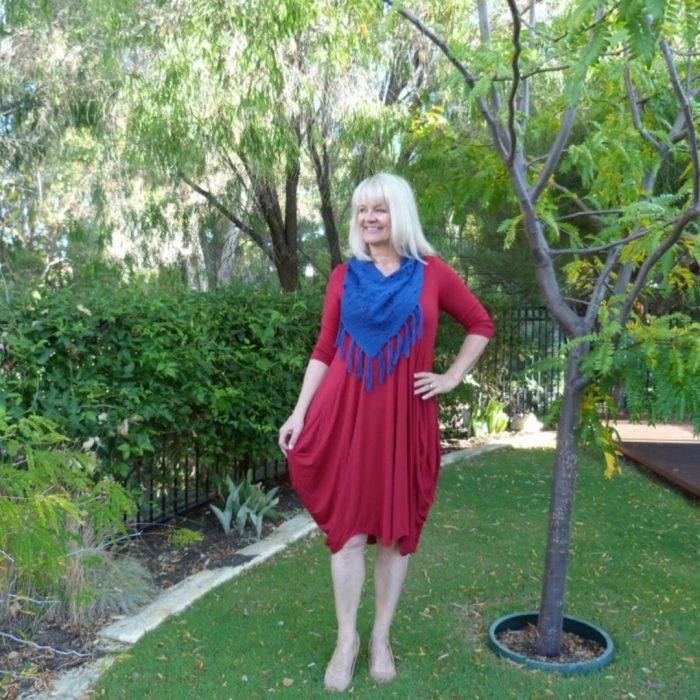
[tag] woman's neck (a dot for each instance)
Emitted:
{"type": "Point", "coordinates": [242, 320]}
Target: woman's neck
{"type": "Point", "coordinates": [386, 259]}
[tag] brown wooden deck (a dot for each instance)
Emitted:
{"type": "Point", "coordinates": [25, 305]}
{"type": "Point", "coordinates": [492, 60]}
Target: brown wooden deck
{"type": "Point", "coordinates": [670, 451]}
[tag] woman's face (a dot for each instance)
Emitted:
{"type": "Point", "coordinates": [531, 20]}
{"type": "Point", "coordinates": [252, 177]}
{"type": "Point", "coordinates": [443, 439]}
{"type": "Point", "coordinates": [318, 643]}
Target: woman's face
{"type": "Point", "coordinates": [374, 221]}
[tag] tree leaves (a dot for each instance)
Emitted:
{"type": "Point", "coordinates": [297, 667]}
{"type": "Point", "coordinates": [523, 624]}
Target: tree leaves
{"type": "Point", "coordinates": [643, 20]}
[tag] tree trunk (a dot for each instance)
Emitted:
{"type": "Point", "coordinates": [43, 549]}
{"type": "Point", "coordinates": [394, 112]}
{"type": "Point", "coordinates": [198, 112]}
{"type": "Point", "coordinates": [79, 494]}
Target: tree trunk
{"type": "Point", "coordinates": [322, 169]}
{"type": "Point", "coordinates": [551, 615]}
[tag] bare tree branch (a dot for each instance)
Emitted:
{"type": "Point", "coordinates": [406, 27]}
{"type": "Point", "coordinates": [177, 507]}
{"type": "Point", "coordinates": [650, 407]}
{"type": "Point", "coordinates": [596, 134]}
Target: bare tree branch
{"type": "Point", "coordinates": [322, 170]}
{"type": "Point", "coordinates": [600, 17]}
{"type": "Point", "coordinates": [535, 30]}
{"type": "Point", "coordinates": [602, 248]}
{"type": "Point", "coordinates": [681, 222]}
{"type": "Point", "coordinates": [215, 201]}
{"type": "Point", "coordinates": [530, 74]}
{"type": "Point", "coordinates": [525, 97]}
{"type": "Point", "coordinates": [693, 212]}
{"type": "Point", "coordinates": [597, 213]}
{"type": "Point", "coordinates": [440, 43]}
{"type": "Point", "coordinates": [637, 117]}
{"type": "Point", "coordinates": [678, 131]}
{"type": "Point", "coordinates": [688, 114]}
{"type": "Point", "coordinates": [485, 34]}
{"type": "Point", "coordinates": [557, 148]}
{"type": "Point", "coordinates": [554, 154]}
{"type": "Point", "coordinates": [515, 63]}
{"type": "Point", "coordinates": [600, 287]}
{"type": "Point", "coordinates": [500, 138]}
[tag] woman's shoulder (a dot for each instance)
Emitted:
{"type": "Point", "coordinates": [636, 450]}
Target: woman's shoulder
{"type": "Point", "coordinates": [435, 263]}
{"type": "Point", "coordinates": [337, 275]}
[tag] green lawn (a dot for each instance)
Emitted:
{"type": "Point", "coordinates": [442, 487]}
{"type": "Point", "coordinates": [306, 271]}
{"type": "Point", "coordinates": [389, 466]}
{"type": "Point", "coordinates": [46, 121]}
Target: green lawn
{"type": "Point", "coordinates": [634, 571]}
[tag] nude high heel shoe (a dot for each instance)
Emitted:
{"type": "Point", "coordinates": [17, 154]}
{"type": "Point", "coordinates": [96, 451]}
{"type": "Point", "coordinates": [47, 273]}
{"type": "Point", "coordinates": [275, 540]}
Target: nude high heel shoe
{"type": "Point", "coordinates": [383, 675]}
{"type": "Point", "coordinates": [340, 681]}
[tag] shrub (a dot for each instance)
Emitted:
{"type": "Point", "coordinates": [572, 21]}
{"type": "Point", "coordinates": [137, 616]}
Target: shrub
{"type": "Point", "coordinates": [52, 504]}
{"type": "Point", "coordinates": [488, 420]}
{"type": "Point", "coordinates": [118, 369]}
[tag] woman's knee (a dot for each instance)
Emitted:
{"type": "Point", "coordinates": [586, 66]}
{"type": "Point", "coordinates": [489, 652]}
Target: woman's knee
{"type": "Point", "coordinates": [392, 548]}
{"type": "Point", "coordinates": [353, 545]}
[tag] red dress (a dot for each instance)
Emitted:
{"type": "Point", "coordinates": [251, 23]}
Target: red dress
{"type": "Point", "coordinates": [368, 462]}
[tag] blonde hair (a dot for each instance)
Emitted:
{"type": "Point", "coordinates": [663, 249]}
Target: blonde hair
{"type": "Point", "coordinates": [406, 233]}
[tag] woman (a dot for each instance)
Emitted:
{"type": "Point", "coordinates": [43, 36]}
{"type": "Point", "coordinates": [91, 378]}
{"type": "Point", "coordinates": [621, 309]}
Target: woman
{"type": "Point", "coordinates": [362, 443]}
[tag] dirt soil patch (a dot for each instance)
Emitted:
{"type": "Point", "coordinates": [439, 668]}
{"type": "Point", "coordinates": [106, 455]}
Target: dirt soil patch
{"type": "Point", "coordinates": [160, 548]}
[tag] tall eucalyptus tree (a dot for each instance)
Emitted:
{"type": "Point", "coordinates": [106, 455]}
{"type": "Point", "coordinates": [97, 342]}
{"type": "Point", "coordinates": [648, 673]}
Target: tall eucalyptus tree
{"type": "Point", "coordinates": [238, 101]}
{"type": "Point", "coordinates": [58, 81]}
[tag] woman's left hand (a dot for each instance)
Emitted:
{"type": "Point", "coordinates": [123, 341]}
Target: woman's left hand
{"type": "Point", "coordinates": [428, 384]}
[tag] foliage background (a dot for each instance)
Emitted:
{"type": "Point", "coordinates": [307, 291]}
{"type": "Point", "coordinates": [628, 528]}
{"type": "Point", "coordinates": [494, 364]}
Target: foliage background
{"type": "Point", "coordinates": [115, 370]}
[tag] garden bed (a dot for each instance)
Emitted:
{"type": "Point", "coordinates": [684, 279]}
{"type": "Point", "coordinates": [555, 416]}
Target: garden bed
{"type": "Point", "coordinates": [171, 554]}
{"type": "Point", "coordinates": [171, 551]}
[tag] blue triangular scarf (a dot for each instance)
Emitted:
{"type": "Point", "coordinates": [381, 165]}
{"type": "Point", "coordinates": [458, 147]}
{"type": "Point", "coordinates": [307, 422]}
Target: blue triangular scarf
{"type": "Point", "coordinates": [382, 315]}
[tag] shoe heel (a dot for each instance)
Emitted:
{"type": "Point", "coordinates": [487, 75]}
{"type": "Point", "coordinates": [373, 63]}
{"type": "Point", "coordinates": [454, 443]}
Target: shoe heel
{"type": "Point", "coordinates": [385, 675]}
{"type": "Point", "coordinates": [340, 682]}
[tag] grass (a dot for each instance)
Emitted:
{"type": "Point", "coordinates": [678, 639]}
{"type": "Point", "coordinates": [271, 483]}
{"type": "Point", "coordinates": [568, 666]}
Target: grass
{"type": "Point", "coordinates": [634, 571]}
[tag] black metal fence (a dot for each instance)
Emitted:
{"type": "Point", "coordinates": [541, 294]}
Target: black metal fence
{"type": "Point", "coordinates": [521, 366]}
{"type": "Point", "coordinates": [519, 369]}
{"type": "Point", "coordinates": [179, 478]}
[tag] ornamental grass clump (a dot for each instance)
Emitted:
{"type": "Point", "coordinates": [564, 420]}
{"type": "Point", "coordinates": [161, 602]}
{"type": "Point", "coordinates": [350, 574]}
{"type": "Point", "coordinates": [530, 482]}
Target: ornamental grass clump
{"type": "Point", "coordinates": [96, 583]}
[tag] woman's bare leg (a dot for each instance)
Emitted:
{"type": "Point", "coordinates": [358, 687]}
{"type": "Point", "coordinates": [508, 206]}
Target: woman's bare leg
{"type": "Point", "coordinates": [348, 573]}
{"type": "Point", "coordinates": [389, 576]}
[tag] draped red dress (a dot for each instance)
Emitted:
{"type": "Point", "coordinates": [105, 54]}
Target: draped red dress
{"type": "Point", "coordinates": [368, 462]}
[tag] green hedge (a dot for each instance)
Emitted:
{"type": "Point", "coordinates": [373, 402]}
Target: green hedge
{"type": "Point", "coordinates": [115, 369]}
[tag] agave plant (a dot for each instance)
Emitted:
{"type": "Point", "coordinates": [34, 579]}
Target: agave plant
{"type": "Point", "coordinates": [246, 502]}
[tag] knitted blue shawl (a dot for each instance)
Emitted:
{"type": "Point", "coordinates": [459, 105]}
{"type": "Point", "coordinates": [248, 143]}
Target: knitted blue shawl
{"type": "Point", "coordinates": [382, 315]}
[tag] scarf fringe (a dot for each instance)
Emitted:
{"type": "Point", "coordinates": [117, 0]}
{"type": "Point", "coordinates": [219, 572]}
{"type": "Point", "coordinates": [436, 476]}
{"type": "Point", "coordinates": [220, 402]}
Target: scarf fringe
{"type": "Point", "coordinates": [357, 361]}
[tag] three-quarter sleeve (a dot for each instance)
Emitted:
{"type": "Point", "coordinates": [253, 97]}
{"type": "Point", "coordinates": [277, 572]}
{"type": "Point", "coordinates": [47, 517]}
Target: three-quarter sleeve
{"type": "Point", "coordinates": [325, 349]}
{"type": "Point", "coordinates": [459, 301]}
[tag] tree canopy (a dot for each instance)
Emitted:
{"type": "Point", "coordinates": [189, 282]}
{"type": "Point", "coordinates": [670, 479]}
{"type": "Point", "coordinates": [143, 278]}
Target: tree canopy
{"type": "Point", "coordinates": [592, 122]}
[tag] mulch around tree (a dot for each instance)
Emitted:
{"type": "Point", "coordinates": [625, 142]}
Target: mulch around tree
{"type": "Point", "coordinates": [574, 648]}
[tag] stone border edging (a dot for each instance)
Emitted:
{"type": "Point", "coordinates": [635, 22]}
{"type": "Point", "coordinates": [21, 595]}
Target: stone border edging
{"type": "Point", "coordinates": [182, 595]}
{"type": "Point", "coordinates": [122, 634]}
{"type": "Point", "coordinates": [459, 455]}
